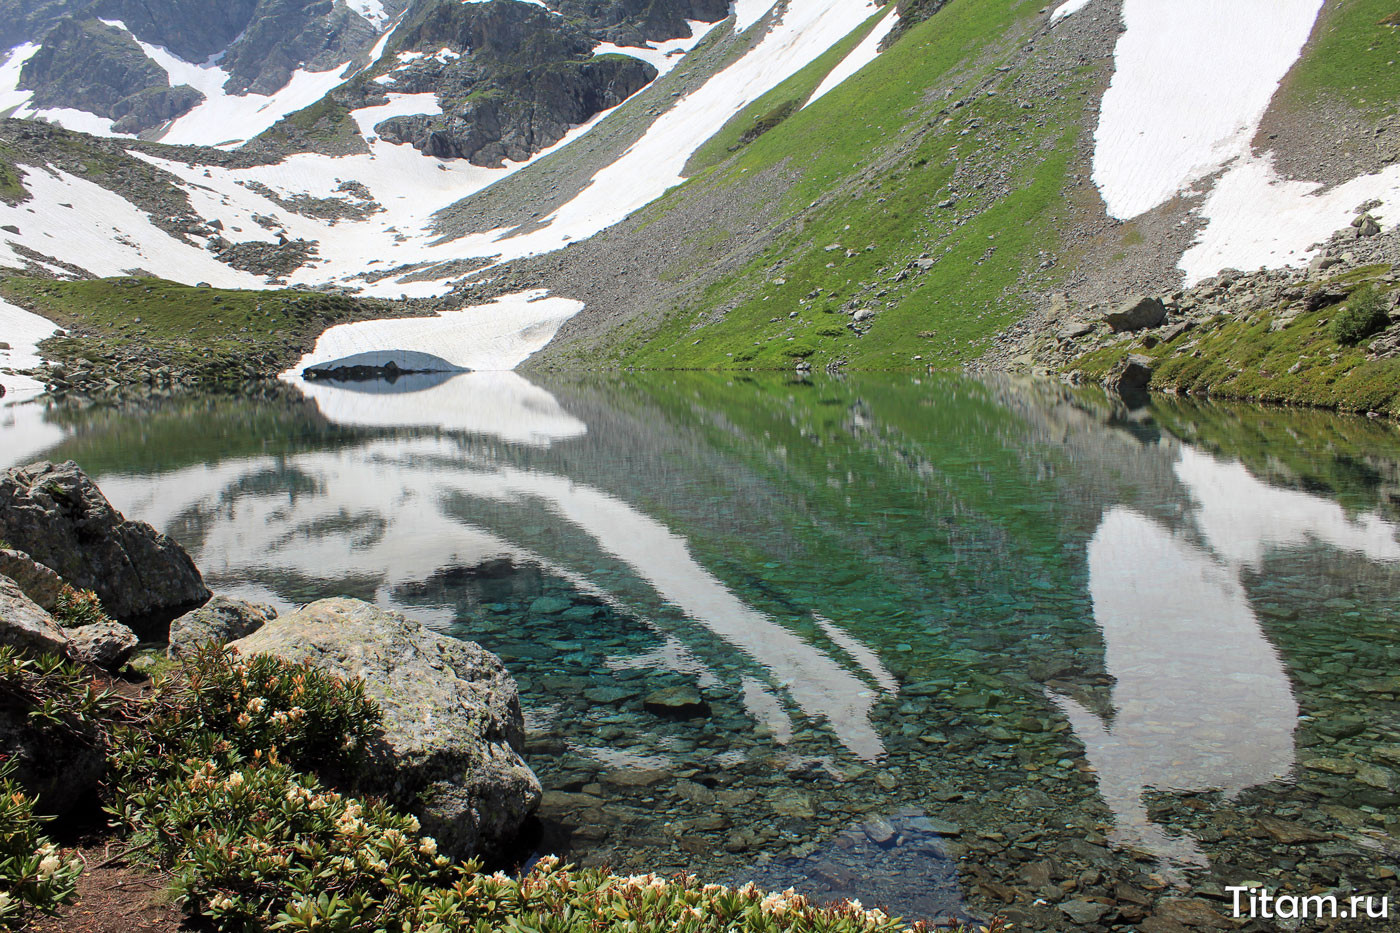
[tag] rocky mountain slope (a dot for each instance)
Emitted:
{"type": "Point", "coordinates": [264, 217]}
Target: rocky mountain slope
{"type": "Point", "coordinates": [796, 184]}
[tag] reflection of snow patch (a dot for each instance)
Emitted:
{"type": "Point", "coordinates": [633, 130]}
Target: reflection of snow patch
{"type": "Point", "coordinates": [1200, 699]}
{"type": "Point", "coordinates": [859, 57]}
{"type": "Point", "coordinates": [1242, 518]}
{"type": "Point", "coordinates": [1192, 80]}
{"type": "Point", "coordinates": [498, 404]}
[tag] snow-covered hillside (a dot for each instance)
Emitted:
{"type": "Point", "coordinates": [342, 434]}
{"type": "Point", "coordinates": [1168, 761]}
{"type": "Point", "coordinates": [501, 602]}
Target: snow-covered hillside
{"type": "Point", "coordinates": [1192, 81]}
{"type": "Point", "coordinates": [1178, 125]}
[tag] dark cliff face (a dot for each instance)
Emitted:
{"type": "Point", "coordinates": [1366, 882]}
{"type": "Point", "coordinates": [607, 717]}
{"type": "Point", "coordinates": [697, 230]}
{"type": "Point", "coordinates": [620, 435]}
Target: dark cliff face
{"type": "Point", "coordinates": [516, 78]}
{"type": "Point", "coordinates": [284, 35]}
{"type": "Point", "coordinates": [89, 65]}
{"type": "Point", "coordinates": [522, 111]}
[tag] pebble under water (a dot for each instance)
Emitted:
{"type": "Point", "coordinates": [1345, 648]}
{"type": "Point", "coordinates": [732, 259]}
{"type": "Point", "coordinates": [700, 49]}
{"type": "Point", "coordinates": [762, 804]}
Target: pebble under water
{"type": "Point", "coordinates": [953, 647]}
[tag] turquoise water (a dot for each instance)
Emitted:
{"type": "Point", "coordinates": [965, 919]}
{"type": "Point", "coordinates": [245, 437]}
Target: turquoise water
{"type": "Point", "coordinates": [955, 647]}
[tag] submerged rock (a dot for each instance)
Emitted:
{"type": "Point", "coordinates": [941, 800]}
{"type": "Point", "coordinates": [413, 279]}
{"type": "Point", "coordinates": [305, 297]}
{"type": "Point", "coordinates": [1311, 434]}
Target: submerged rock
{"type": "Point", "coordinates": [219, 621]}
{"type": "Point", "coordinates": [58, 516]}
{"type": "Point", "coordinates": [676, 703]}
{"type": "Point", "coordinates": [449, 745]}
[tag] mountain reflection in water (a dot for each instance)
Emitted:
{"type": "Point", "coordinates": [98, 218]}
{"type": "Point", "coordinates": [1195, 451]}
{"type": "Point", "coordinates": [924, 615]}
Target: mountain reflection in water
{"type": "Point", "coordinates": [937, 627]}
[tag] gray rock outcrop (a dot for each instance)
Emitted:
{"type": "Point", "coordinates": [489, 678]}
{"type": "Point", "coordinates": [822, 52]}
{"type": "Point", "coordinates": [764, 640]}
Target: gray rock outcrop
{"type": "Point", "coordinates": [104, 644]}
{"type": "Point", "coordinates": [219, 621]}
{"type": "Point", "coordinates": [38, 582]}
{"type": "Point", "coordinates": [58, 516]}
{"type": "Point", "coordinates": [448, 747]}
{"type": "Point", "coordinates": [1136, 314]}
{"type": "Point", "coordinates": [25, 625]}
{"type": "Point", "coordinates": [1131, 376]}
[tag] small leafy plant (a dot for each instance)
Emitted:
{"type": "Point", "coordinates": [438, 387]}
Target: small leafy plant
{"type": "Point", "coordinates": [34, 875]}
{"type": "Point", "coordinates": [76, 608]}
{"type": "Point", "coordinates": [1361, 316]}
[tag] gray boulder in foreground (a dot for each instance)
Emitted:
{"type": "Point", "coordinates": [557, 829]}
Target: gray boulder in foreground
{"type": "Point", "coordinates": [104, 644]}
{"type": "Point", "coordinates": [58, 516]}
{"type": "Point", "coordinates": [25, 625]}
{"type": "Point", "coordinates": [449, 745]}
{"type": "Point", "coordinates": [219, 621]}
{"type": "Point", "coordinates": [38, 582]}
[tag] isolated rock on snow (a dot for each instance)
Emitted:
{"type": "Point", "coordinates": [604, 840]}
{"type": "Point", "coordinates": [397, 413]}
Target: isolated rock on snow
{"type": "Point", "coordinates": [219, 621]}
{"type": "Point", "coordinates": [38, 582]}
{"type": "Point", "coordinates": [103, 644]}
{"type": "Point", "coordinates": [448, 747]}
{"type": "Point", "coordinates": [1136, 314]}
{"type": "Point", "coordinates": [58, 516]}
{"type": "Point", "coordinates": [25, 625]}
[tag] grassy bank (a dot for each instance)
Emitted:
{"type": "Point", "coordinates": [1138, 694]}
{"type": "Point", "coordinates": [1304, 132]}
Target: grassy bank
{"type": "Point", "coordinates": [1280, 353]}
{"type": "Point", "coordinates": [134, 330]}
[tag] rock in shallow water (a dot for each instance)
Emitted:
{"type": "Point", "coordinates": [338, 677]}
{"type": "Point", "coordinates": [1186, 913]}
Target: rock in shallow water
{"type": "Point", "coordinates": [676, 703]}
{"type": "Point", "coordinates": [58, 516]}
{"type": "Point", "coordinates": [448, 747]}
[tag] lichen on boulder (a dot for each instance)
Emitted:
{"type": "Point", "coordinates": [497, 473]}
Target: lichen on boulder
{"type": "Point", "coordinates": [448, 747]}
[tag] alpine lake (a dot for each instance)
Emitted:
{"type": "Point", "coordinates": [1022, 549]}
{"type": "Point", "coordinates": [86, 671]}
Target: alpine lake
{"type": "Point", "coordinates": [951, 646]}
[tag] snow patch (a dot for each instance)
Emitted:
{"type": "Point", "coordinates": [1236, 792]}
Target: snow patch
{"type": "Point", "coordinates": [748, 12]}
{"type": "Point", "coordinates": [11, 97]}
{"type": "Point", "coordinates": [1067, 8]}
{"type": "Point", "coordinates": [491, 337]}
{"type": "Point", "coordinates": [371, 10]}
{"type": "Point", "coordinates": [22, 330]}
{"type": "Point", "coordinates": [79, 222]}
{"type": "Point", "coordinates": [858, 58]}
{"type": "Point", "coordinates": [1255, 219]}
{"type": "Point", "coordinates": [663, 56]}
{"type": "Point", "coordinates": [1192, 81]}
{"type": "Point", "coordinates": [654, 163]}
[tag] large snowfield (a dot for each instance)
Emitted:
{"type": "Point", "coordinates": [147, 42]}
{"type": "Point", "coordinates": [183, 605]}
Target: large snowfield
{"type": "Point", "coordinates": [1192, 81]}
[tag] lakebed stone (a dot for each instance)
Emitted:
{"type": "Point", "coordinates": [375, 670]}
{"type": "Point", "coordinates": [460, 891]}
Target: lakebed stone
{"type": "Point", "coordinates": [58, 516]}
{"type": "Point", "coordinates": [449, 744]}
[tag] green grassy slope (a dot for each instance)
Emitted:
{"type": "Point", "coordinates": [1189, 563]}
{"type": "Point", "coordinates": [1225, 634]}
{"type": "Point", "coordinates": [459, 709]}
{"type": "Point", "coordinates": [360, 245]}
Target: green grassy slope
{"type": "Point", "coordinates": [1353, 56]}
{"type": "Point", "coordinates": [211, 332]}
{"type": "Point", "coordinates": [875, 157]}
